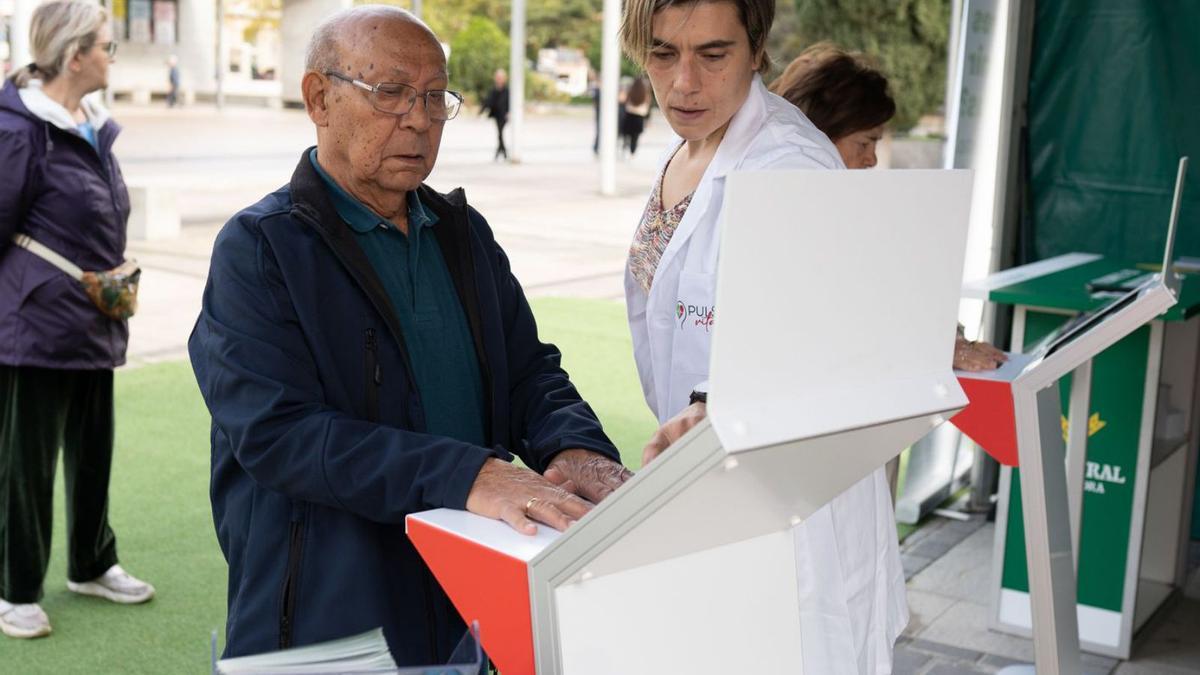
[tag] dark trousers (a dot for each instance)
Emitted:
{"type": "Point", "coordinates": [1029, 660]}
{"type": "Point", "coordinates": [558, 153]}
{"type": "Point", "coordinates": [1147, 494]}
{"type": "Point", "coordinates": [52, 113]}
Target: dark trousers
{"type": "Point", "coordinates": [633, 139]}
{"type": "Point", "coordinates": [40, 410]}
{"type": "Point", "coordinates": [501, 151]}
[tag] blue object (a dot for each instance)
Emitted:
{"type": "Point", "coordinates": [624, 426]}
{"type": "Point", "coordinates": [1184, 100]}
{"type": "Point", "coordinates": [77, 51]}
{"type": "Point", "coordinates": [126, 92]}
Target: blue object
{"type": "Point", "coordinates": [415, 277]}
{"type": "Point", "coordinates": [319, 443]}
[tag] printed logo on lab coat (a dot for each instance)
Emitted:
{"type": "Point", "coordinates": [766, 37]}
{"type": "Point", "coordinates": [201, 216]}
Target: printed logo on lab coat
{"type": "Point", "coordinates": [694, 316]}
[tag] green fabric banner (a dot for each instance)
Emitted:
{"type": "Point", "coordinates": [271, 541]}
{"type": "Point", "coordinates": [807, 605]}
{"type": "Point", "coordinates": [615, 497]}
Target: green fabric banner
{"type": "Point", "coordinates": [1114, 101]}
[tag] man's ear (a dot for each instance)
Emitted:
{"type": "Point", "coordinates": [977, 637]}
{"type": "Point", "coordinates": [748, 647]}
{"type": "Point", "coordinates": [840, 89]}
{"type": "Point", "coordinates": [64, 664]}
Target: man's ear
{"type": "Point", "coordinates": [315, 90]}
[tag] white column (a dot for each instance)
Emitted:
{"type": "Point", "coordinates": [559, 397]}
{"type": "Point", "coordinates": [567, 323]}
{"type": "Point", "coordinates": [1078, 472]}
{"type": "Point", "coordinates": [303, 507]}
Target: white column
{"type": "Point", "coordinates": [300, 19]}
{"type": "Point", "coordinates": [516, 80]}
{"type": "Point", "coordinates": [18, 37]}
{"type": "Point", "coordinates": [197, 47]}
{"type": "Point", "coordinates": [610, 73]}
{"type": "Point", "coordinates": [222, 55]}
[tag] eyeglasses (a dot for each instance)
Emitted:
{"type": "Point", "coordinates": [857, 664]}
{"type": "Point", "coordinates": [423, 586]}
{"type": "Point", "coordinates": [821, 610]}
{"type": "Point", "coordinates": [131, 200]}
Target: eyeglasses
{"type": "Point", "coordinates": [394, 98]}
{"type": "Point", "coordinates": [109, 47]}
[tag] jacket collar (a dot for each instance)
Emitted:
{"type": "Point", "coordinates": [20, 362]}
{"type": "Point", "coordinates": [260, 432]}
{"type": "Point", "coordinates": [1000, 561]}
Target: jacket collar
{"type": "Point", "coordinates": [312, 204]}
{"type": "Point", "coordinates": [743, 129]}
{"type": "Point", "coordinates": [12, 101]}
{"type": "Point", "coordinates": [48, 110]}
{"type": "Point", "coordinates": [358, 215]}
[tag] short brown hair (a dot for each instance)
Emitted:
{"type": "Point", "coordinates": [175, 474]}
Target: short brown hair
{"type": "Point", "coordinates": [638, 18]}
{"type": "Point", "coordinates": [839, 91]}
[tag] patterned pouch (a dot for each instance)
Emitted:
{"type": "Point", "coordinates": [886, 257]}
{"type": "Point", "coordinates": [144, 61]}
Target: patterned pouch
{"type": "Point", "coordinates": [114, 292]}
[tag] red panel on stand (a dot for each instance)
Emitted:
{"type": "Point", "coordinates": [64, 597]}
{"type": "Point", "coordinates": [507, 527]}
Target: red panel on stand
{"type": "Point", "coordinates": [989, 419]}
{"type": "Point", "coordinates": [485, 586]}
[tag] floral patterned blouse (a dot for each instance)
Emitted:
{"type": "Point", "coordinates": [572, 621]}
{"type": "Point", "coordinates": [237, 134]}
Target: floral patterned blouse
{"type": "Point", "coordinates": [653, 234]}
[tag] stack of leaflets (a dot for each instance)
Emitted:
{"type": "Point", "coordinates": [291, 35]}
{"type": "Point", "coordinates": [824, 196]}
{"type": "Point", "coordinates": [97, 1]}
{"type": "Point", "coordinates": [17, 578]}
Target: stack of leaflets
{"type": "Point", "coordinates": [363, 653]}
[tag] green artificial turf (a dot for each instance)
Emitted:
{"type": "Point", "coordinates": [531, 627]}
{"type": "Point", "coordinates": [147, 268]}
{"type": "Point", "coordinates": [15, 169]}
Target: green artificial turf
{"type": "Point", "coordinates": [158, 507]}
{"type": "Point", "coordinates": [160, 511]}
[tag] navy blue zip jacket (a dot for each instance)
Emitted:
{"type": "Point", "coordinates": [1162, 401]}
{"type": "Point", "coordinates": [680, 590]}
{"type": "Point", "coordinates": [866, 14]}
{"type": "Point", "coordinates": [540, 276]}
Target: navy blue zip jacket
{"type": "Point", "coordinates": [317, 444]}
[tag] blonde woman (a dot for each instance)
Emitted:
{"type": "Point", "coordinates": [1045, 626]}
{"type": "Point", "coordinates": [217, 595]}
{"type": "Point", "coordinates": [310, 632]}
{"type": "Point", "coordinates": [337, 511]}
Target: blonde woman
{"type": "Point", "coordinates": [61, 187]}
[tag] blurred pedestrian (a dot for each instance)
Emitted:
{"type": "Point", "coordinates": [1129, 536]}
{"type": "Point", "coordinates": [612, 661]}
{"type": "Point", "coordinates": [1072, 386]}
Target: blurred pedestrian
{"type": "Point", "coordinates": [172, 81]}
{"type": "Point", "coordinates": [63, 206]}
{"type": "Point", "coordinates": [634, 112]}
{"type": "Point", "coordinates": [594, 93]}
{"type": "Point", "coordinates": [496, 107]}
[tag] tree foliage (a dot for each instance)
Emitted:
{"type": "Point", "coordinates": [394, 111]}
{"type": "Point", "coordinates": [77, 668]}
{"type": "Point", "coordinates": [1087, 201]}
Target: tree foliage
{"type": "Point", "coordinates": [475, 54]}
{"type": "Point", "coordinates": [448, 18]}
{"type": "Point", "coordinates": [907, 39]}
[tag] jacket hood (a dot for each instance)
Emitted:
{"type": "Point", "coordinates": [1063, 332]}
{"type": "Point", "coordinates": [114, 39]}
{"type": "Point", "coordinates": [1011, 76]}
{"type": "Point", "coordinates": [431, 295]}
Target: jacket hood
{"type": "Point", "coordinates": [49, 110]}
{"type": "Point", "coordinates": [10, 101]}
{"type": "Point", "coordinates": [33, 104]}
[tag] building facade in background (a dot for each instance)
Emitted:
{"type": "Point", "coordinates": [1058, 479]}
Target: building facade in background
{"type": "Point", "coordinates": [241, 56]}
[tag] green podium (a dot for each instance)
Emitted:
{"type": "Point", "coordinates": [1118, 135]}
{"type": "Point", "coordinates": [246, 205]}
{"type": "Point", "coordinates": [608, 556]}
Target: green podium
{"type": "Point", "coordinates": [1131, 508]}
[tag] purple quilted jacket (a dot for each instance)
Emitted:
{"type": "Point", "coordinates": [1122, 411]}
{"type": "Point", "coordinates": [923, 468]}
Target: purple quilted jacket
{"type": "Point", "coordinates": [70, 196]}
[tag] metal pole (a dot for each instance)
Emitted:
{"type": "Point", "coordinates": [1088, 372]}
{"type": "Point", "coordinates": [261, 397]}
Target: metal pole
{"type": "Point", "coordinates": [516, 80]}
{"type": "Point", "coordinates": [610, 73]}
{"type": "Point", "coordinates": [953, 61]}
{"type": "Point", "coordinates": [1077, 435]}
{"type": "Point", "coordinates": [1047, 531]}
{"type": "Point", "coordinates": [417, 8]}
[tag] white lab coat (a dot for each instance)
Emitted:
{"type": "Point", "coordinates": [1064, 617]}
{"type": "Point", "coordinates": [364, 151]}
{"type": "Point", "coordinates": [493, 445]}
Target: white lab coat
{"type": "Point", "coordinates": [851, 583]}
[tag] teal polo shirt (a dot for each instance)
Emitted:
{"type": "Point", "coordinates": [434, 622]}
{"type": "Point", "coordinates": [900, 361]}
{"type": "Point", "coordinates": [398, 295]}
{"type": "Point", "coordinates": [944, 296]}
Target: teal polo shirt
{"type": "Point", "coordinates": [415, 276]}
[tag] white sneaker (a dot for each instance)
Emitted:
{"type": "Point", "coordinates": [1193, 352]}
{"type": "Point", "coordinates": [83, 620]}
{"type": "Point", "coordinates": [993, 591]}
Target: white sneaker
{"type": "Point", "coordinates": [116, 585]}
{"type": "Point", "coordinates": [23, 621]}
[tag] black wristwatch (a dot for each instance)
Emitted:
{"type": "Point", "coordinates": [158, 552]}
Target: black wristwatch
{"type": "Point", "coordinates": [698, 397]}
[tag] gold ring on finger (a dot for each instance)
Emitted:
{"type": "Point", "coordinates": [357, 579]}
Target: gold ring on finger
{"type": "Point", "coordinates": [529, 504]}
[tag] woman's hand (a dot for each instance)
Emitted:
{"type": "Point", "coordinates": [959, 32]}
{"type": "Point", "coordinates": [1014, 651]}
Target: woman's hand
{"type": "Point", "coordinates": [674, 428]}
{"type": "Point", "coordinates": [974, 356]}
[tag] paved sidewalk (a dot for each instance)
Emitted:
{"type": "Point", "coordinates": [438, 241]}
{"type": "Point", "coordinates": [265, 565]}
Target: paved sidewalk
{"type": "Point", "coordinates": [948, 566]}
{"type": "Point", "coordinates": [561, 235]}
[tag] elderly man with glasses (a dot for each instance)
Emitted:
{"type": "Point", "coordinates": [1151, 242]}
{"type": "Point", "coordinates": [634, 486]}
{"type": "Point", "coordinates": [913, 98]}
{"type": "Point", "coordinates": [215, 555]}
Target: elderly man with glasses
{"type": "Point", "coordinates": [366, 353]}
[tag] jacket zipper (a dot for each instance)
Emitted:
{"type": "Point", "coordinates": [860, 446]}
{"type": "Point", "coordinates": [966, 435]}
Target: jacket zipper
{"type": "Point", "coordinates": [374, 376]}
{"type": "Point", "coordinates": [380, 305]}
{"type": "Point", "coordinates": [291, 582]}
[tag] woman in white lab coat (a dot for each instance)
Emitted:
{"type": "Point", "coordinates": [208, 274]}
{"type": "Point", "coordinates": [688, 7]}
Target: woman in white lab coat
{"type": "Point", "coordinates": [704, 60]}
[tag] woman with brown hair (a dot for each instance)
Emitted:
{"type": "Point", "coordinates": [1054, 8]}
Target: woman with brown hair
{"type": "Point", "coordinates": [848, 99]}
{"type": "Point", "coordinates": [843, 95]}
{"type": "Point", "coordinates": [634, 111]}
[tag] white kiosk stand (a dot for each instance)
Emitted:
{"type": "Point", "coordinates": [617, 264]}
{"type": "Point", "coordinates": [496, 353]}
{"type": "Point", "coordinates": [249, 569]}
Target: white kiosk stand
{"type": "Point", "coordinates": [690, 567]}
{"type": "Point", "coordinates": [1015, 415]}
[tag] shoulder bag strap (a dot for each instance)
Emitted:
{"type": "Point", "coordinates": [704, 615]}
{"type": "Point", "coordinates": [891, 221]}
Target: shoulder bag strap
{"type": "Point", "coordinates": [33, 246]}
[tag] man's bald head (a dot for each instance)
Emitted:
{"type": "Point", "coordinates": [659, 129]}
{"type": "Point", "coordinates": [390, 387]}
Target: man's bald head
{"type": "Point", "coordinates": [370, 71]}
{"type": "Point", "coordinates": [326, 49]}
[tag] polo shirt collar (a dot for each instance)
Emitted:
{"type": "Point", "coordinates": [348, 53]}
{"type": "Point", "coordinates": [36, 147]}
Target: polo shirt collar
{"type": "Point", "coordinates": [359, 216]}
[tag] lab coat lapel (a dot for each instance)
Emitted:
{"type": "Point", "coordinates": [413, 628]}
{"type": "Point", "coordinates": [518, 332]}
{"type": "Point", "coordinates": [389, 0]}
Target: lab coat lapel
{"type": "Point", "coordinates": [742, 130]}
